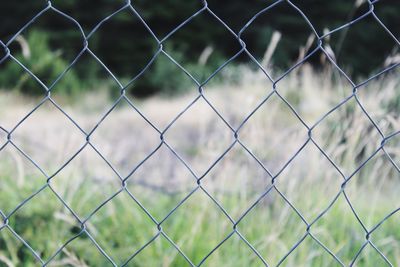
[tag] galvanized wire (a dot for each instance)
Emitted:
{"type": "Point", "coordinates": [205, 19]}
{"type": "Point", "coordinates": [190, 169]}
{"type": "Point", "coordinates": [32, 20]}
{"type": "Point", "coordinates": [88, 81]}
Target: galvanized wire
{"type": "Point", "coordinates": [235, 131]}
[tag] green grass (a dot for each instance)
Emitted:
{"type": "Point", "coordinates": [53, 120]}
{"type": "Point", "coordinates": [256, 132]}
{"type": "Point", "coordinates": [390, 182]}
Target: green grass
{"type": "Point", "coordinates": [272, 227]}
{"type": "Point", "coordinates": [197, 227]}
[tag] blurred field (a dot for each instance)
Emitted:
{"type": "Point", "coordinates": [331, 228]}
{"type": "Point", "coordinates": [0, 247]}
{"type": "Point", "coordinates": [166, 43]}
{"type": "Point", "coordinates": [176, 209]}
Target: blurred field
{"type": "Point", "coordinates": [310, 182]}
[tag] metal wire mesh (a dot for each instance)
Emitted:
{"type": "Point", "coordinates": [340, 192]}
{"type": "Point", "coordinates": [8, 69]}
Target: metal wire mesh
{"type": "Point", "coordinates": [235, 131]}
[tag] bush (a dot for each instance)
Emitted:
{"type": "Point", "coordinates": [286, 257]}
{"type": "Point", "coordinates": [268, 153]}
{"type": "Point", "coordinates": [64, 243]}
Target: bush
{"type": "Point", "coordinates": [47, 65]}
{"type": "Point", "coordinates": [165, 77]}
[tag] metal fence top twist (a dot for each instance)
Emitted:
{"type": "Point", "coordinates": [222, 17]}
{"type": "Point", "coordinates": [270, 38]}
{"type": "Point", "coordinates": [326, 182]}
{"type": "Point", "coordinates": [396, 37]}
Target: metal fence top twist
{"type": "Point", "coordinates": [235, 131]}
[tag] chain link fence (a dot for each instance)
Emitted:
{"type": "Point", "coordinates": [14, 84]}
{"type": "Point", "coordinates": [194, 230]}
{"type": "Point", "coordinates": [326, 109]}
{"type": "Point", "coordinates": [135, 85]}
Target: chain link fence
{"type": "Point", "coordinates": [235, 226]}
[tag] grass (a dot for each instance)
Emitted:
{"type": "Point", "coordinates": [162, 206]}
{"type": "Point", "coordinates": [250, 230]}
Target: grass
{"type": "Point", "coordinates": [274, 134]}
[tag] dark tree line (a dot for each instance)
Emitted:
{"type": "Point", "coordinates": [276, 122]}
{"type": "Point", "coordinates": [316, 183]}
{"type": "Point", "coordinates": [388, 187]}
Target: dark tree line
{"type": "Point", "coordinates": [126, 46]}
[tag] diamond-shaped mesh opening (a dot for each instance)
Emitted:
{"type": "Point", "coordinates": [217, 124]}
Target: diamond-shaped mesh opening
{"type": "Point", "coordinates": [373, 191]}
{"type": "Point", "coordinates": [202, 50]}
{"type": "Point", "coordinates": [53, 223]}
{"type": "Point", "coordinates": [347, 136]}
{"type": "Point", "coordinates": [120, 138]}
{"type": "Point", "coordinates": [274, 134]}
{"type": "Point", "coordinates": [165, 76]}
{"type": "Point", "coordinates": [40, 53]}
{"type": "Point", "coordinates": [74, 83]}
{"type": "Point", "coordinates": [315, 86]}
{"type": "Point", "coordinates": [48, 130]}
{"type": "Point", "coordinates": [121, 227]}
{"type": "Point", "coordinates": [92, 96]}
{"type": "Point", "coordinates": [282, 27]}
{"type": "Point", "coordinates": [60, 143]}
{"type": "Point", "coordinates": [199, 128]}
{"type": "Point", "coordinates": [236, 181]}
{"type": "Point", "coordinates": [359, 55]}
{"type": "Point", "coordinates": [344, 237]}
{"type": "Point", "coordinates": [19, 178]}
{"type": "Point", "coordinates": [161, 183]}
{"type": "Point", "coordinates": [308, 188]}
{"type": "Point", "coordinates": [242, 84]}
{"type": "Point", "coordinates": [197, 226]}
{"type": "Point", "coordinates": [127, 31]}
{"type": "Point", "coordinates": [86, 182]}
{"type": "Point", "coordinates": [272, 240]}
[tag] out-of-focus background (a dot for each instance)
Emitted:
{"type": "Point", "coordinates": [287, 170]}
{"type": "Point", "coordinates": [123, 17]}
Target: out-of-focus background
{"type": "Point", "coordinates": [348, 126]}
{"type": "Point", "coordinates": [125, 45]}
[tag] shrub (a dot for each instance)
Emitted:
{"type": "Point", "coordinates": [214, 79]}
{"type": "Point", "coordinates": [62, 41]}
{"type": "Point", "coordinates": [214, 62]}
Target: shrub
{"type": "Point", "coordinates": [46, 64]}
{"type": "Point", "coordinates": [165, 77]}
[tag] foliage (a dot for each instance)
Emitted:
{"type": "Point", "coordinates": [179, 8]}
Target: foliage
{"type": "Point", "coordinates": [125, 45]}
{"type": "Point", "coordinates": [310, 182]}
{"type": "Point", "coordinates": [47, 65]}
{"type": "Point", "coordinates": [121, 228]}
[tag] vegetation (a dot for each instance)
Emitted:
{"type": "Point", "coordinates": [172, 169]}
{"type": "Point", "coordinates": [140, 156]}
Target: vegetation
{"type": "Point", "coordinates": [43, 63]}
{"type": "Point", "coordinates": [126, 46]}
{"type": "Point", "coordinates": [121, 227]}
{"type": "Point", "coordinates": [275, 224]}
